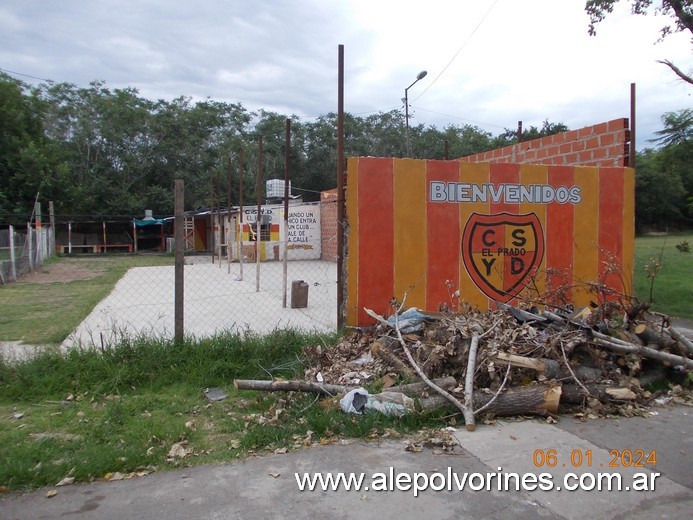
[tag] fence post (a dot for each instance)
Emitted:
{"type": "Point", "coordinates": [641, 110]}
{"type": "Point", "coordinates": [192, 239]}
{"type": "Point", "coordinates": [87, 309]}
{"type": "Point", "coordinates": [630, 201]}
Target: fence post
{"type": "Point", "coordinates": [51, 220]}
{"type": "Point", "coordinates": [13, 259]}
{"type": "Point", "coordinates": [179, 252]}
{"type": "Point", "coordinates": [29, 246]}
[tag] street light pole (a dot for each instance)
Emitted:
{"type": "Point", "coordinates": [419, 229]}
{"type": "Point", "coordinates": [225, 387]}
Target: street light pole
{"type": "Point", "coordinates": [419, 76]}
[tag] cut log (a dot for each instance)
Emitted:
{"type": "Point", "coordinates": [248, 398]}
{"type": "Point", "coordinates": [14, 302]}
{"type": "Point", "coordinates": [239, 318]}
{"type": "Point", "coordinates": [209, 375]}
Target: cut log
{"type": "Point", "coordinates": [290, 386]}
{"type": "Point", "coordinates": [656, 340]}
{"type": "Point", "coordinates": [573, 394]}
{"type": "Point", "coordinates": [412, 390]}
{"type": "Point", "coordinates": [534, 400]}
{"type": "Point", "coordinates": [416, 389]}
{"type": "Point", "coordinates": [549, 368]}
{"type": "Point", "coordinates": [625, 348]}
{"type": "Point", "coordinates": [687, 343]}
{"type": "Point", "coordinates": [380, 351]}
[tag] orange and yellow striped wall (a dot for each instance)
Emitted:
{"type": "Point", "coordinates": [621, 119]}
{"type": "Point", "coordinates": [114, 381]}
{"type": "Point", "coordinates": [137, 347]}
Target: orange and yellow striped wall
{"type": "Point", "coordinates": [493, 232]}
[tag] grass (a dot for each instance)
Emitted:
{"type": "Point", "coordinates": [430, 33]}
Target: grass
{"type": "Point", "coordinates": [672, 292]}
{"type": "Point", "coordinates": [90, 414]}
{"type": "Point", "coordinates": [45, 314]}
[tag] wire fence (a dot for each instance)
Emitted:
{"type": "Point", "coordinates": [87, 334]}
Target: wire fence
{"type": "Point", "coordinates": [241, 274]}
{"type": "Point", "coordinates": [23, 250]}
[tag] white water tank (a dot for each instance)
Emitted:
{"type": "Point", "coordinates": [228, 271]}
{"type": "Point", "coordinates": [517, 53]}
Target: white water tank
{"type": "Point", "coordinates": [275, 188]}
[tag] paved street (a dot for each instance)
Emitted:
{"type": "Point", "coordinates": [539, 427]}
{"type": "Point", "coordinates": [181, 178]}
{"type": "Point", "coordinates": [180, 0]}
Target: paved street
{"type": "Point", "coordinates": [266, 487]}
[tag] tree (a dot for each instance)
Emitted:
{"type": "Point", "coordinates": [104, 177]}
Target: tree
{"type": "Point", "coordinates": [678, 128]}
{"type": "Point", "coordinates": [680, 10]}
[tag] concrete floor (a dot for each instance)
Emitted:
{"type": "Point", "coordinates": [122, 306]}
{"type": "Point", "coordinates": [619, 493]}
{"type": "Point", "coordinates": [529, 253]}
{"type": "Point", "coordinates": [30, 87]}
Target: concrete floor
{"type": "Point", "coordinates": [216, 300]}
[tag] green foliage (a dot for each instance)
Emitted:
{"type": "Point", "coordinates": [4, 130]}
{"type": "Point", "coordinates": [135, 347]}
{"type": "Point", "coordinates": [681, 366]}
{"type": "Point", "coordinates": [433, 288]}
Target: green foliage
{"type": "Point", "coordinates": [664, 177]}
{"type": "Point", "coordinates": [663, 275]}
{"type": "Point", "coordinates": [90, 413]}
{"type": "Point", "coordinates": [106, 153]}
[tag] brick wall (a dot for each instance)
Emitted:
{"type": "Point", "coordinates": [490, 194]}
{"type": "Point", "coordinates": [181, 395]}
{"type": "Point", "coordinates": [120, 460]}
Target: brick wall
{"type": "Point", "coordinates": [603, 144]}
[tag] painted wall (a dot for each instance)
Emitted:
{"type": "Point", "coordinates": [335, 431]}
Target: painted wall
{"type": "Point", "coordinates": [604, 144]}
{"type": "Point", "coordinates": [490, 231]}
{"type": "Point", "coordinates": [303, 231]}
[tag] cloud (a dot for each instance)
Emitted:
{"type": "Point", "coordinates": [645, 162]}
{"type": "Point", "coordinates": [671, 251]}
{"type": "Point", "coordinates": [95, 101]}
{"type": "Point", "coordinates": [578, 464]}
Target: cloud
{"type": "Point", "coordinates": [490, 62]}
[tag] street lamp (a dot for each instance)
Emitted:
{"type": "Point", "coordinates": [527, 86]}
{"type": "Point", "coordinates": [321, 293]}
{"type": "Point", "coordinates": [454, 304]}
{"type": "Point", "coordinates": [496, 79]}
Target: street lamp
{"type": "Point", "coordinates": [421, 75]}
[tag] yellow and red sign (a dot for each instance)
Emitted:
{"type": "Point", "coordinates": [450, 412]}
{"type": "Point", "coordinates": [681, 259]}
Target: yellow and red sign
{"type": "Point", "coordinates": [488, 232]}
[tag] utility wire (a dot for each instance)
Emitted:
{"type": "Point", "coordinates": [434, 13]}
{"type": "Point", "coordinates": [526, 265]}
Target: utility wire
{"type": "Point", "coordinates": [483, 18]}
{"type": "Point", "coordinates": [25, 75]}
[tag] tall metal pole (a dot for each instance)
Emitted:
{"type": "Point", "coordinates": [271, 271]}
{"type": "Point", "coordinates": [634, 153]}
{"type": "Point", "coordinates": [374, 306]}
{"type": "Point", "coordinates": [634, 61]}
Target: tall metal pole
{"type": "Point", "coordinates": [228, 217]}
{"type": "Point", "coordinates": [259, 211]}
{"type": "Point", "coordinates": [179, 252]}
{"type": "Point", "coordinates": [631, 154]}
{"type": "Point", "coordinates": [341, 288]}
{"type": "Point", "coordinates": [240, 212]}
{"type": "Point", "coordinates": [287, 157]}
{"type": "Point", "coordinates": [406, 115]}
{"type": "Point", "coordinates": [419, 77]}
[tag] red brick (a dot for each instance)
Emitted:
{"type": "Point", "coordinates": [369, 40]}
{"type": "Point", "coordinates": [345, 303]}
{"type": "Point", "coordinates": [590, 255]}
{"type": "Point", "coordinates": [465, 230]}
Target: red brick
{"type": "Point", "coordinates": [585, 132]}
{"type": "Point", "coordinates": [577, 146]}
{"type": "Point", "coordinates": [572, 158]}
{"type": "Point", "coordinates": [564, 148]}
{"type": "Point", "coordinates": [617, 124]}
{"type": "Point", "coordinates": [599, 154]}
{"type": "Point", "coordinates": [572, 135]}
{"type": "Point", "coordinates": [592, 142]}
{"type": "Point", "coordinates": [600, 128]}
{"type": "Point", "coordinates": [607, 139]}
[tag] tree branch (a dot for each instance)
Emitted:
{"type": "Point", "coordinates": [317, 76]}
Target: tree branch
{"type": "Point", "coordinates": [677, 71]}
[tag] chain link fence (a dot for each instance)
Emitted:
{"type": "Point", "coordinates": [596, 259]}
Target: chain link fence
{"type": "Point", "coordinates": [241, 274]}
{"type": "Point", "coordinates": [23, 249]}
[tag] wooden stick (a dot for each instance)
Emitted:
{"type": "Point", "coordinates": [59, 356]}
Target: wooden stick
{"type": "Point", "coordinates": [290, 386]}
{"type": "Point", "coordinates": [645, 352]}
{"type": "Point", "coordinates": [681, 339]}
{"type": "Point", "coordinates": [469, 385]}
{"type": "Point", "coordinates": [412, 389]}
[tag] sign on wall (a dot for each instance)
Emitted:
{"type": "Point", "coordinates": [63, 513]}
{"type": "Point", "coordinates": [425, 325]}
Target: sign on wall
{"type": "Point", "coordinates": [487, 232]}
{"type": "Point", "coordinates": [302, 233]}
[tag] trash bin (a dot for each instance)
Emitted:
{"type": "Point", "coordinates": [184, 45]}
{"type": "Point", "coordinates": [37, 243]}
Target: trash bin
{"type": "Point", "coordinates": [299, 294]}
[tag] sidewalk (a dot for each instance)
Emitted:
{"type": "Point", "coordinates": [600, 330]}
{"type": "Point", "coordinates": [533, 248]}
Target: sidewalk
{"type": "Point", "coordinates": [265, 487]}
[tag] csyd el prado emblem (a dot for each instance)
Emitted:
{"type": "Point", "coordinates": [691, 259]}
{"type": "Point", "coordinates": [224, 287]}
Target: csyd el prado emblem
{"type": "Point", "coordinates": [501, 251]}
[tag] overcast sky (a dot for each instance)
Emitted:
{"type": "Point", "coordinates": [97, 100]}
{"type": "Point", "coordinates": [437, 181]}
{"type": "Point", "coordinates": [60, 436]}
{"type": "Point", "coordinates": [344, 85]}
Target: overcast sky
{"type": "Point", "coordinates": [490, 63]}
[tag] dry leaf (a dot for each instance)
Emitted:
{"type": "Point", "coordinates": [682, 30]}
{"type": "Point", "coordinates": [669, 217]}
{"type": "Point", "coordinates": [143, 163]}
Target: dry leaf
{"type": "Point", "coordinates": [66, 481]}
{"type": "Point", "coordinates": [280, 451]}
{"type": "Point", "coordinates": [274, 474]}
{"type": "Point", "coordinates": [179, 451]}
{"type": "Point", "coordinates": [51, 493]}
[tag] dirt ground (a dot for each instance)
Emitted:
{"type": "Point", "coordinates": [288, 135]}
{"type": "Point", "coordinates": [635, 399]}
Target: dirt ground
{"type": "Point", "coordinates": [67, 270]}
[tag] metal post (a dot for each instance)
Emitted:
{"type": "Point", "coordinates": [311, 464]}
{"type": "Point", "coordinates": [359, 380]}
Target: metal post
{"type": "Point", "coordinates": [287, 156]}
{"type": "Point", "coordinates": [341, 286]}
{"type": "Point", "coordinates": [13, 259]}
{"type": "Point", "coordinates": [51, 220]}
{"type": "Point", "coordinates": [257, 219]}
{"type": "Point", "coordinates": [406, 115]}
{"type": "Point", "coordinates": [179, 252]}
{"type": "Point", "coordinates": [39, 235]}
{"type": "Point", "coordinates": [631, 151]}
{"type": "Point", "coordinates": [240, 211]}
{"type": "Point", "coordinates": [228, 218]}
{"type": "Point", "coordinates": [29, 246]}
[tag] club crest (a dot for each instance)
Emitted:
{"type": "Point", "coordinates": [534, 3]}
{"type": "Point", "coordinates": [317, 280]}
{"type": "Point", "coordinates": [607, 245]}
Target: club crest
{"type": "Point", "coordinates": [502, 251]}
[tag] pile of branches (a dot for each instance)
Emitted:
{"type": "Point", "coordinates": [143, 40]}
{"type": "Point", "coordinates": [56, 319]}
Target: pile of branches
{"type": "Point", "coordinates": [509, 361]}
